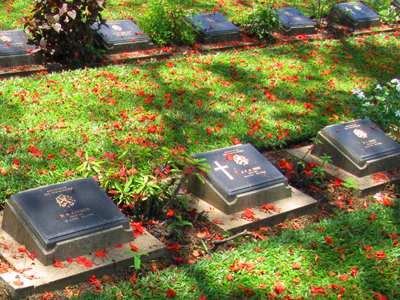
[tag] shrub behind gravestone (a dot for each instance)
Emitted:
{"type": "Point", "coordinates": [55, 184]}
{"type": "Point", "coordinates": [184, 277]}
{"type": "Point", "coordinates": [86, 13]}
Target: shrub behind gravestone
{"type": "Point", "coordinates": [164, 22]}
{"type": "Point", "coordinates": [261, 22]}
{"type": "Point", "coordinates": [62, 29]}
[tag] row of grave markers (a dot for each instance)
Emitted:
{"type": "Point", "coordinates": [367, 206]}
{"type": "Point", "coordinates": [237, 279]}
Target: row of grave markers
{"type": "Point", "coordinates": [125, 36]}
{"type": "Point", "coordinates": [48, 220]}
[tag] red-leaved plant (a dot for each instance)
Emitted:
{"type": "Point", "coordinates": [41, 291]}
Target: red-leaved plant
{"type": "Point", "coordinates": [63, 29]}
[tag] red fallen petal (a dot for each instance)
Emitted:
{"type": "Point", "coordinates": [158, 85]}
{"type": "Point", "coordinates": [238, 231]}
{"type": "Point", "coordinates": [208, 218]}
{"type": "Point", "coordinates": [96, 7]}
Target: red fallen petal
{"type": "Point", "coordinates": [134, 248]}
{"type": "Point", "coordinates": [32, 256]}
{"type": "Point", "coordinates": [99, 254]}
{"type": "Point", "coordinates": [58, 264]}
{"type": "Point", "coordinates": [171, 293]}
{"type": "Point", "coordinates": [69, 260]}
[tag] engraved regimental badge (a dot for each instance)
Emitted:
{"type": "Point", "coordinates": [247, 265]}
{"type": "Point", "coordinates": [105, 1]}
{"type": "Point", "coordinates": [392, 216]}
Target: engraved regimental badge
{"type": "Point", "coordinates": [65, 200]}
{"type": "Point", "coordinates": [5, 38]}
{"type": "Point", "coordinates": [240, 159]}
{"type": "Point", "coordinates": [116, 27]}
{"type": "Point", "coordinates": [360, 133]}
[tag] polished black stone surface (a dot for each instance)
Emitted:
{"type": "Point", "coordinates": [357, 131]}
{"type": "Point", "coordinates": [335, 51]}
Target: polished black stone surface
{"type": "Point", "coordinates": [240, 169]}
{"type": "Point", "coordinates": [120, 31]}
{"type": "Point", "coordinates": [67, 210]}
{"type": "Point", "coordinates": [15, 42]}
{"type": "Point", "coordinates": [357, 11]}
{"type": "Point", "coordinates": [361, 140]}
{"type": "Point", "coordinates": [292, 17]}
{"type": "Point", "coordinates": [210, 24]}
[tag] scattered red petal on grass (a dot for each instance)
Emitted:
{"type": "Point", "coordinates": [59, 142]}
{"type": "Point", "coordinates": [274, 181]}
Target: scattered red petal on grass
{"type": "Point", "coordinates": [380, 297]}
{"type": "Point", "coordinates": [247, 290]}
{"type": "Point", "coordinates": [296, 280]}
{"type": "Point", "coordinates": [179, 259]}
{"type": "Point", "coordinates": [344, 277]}
{"type": "Point", "coordinates": [279, 286]}
{"type": "Point", "coordinates": [229, 277]}
{"type": "Point", "coordinates": [354, 271]}
{"type": "Point", "coordinates": [372, 217]}
{"type": "Point", "coordinates": [328, 239]}
{"type": "Point", "coordinates": [57, 263]}
{"type": "Point", "coordinates": [154, 268]}
{"type": "Point", "coordinates": [170, 213]}
{"type": "Point", "coordinates": [296, 266]}
{"type": "Point", "coordinates": [257, 235]}
{"type": "Point", "coordinates": [318, 290]}
{"type": "Point", "coordinates": [133, 279]}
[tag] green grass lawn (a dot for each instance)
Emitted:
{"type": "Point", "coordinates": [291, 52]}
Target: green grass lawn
{"type": "Point", "coordinates": [270, 97]}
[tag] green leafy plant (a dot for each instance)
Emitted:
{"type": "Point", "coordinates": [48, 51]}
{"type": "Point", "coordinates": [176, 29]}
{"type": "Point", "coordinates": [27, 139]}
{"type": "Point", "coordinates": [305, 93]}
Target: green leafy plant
{"type": "Point", "coordinates": [62, 29]}
{"type": "Point", "coordinates": [261, 22]}
{"type": "Point", "coordinates": [319, 9]}
{"type": "Point", "coordinates": [350, 183]}
{"type": "Point", "coordinates": [382, 107]}
{"type": "Point", "coordinates": [137, 261]}
{"type": "Point", "coordinates": [389, 14]}
{"type": "Point", "coordinates": [179, 223]}
{"type": "Point", "coordinates": [143, 179]}
{"type": "Point", "coordinates": [164, 22]}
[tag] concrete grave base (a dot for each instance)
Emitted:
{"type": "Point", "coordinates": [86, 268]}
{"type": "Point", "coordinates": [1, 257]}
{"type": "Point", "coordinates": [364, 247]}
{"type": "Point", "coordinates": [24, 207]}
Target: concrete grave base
{"type": "Point", "coordinates": [297, 205]}
{"type": "Point", "coordinates": [240, 202]}
{"type": "Point", "coordinates": [38, 278]}
{"type": "Point", "coordinates": [366, 185]}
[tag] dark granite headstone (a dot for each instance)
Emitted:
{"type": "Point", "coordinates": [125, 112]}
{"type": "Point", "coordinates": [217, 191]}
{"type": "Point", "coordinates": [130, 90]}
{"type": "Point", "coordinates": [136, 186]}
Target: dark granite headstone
{"type": "Point", "coordinates": [240, 177]}
{"type": "Point", "coordinates": [214, 29]}
{"type": "Point", "coordinates": [16, 49]}
{"type": "Point", "coordinates": [293, 22]}
{"type": "Point", "coordinates": [359, 147]}
{"type": "Point", "coordinates": [122, 36]}
{"type": "Point", "coordinates": [49, 218]}
{"type": "Point", "coordinates": [355, 15]}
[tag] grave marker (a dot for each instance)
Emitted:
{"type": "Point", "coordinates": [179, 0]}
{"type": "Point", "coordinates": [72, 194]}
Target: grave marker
{"type": "Point", "coordinates": [64, 220]}
{"type": "Point", "coordinates": [240, 177]}
{"type": "Point", "coordinates": [16, 49]}
{"type": "Point", "coordinates": [293, 22]}
{"type": "Point", "coordinates": [214, 29]}
{"type": "Point", "coordinates": [122, 36]}
{"type": "Point", "coordinates": [359, 147]}
{"type": "Point", "coordinates": [355, 15]}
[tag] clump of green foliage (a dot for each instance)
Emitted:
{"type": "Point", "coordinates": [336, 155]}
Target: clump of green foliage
{"type": "Point", "coordinates": [143, 179]}
{"type": "Point", "coordinates": [164, 22]}
{"type": "Point", "coordinates": [62, 29]}
{"type": "Point", "coordinates": [382, 106]}
{"type": "Point", "coordinates": [261, 22]}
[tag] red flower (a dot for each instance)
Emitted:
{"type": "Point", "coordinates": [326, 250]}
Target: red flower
{"type": "Point", "coordinates": [328, 239]}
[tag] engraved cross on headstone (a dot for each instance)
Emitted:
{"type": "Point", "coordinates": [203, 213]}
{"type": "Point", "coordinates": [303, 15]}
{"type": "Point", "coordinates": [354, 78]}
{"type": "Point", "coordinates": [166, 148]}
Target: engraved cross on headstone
{"type": "Point", "coordinates": [222, 168]}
